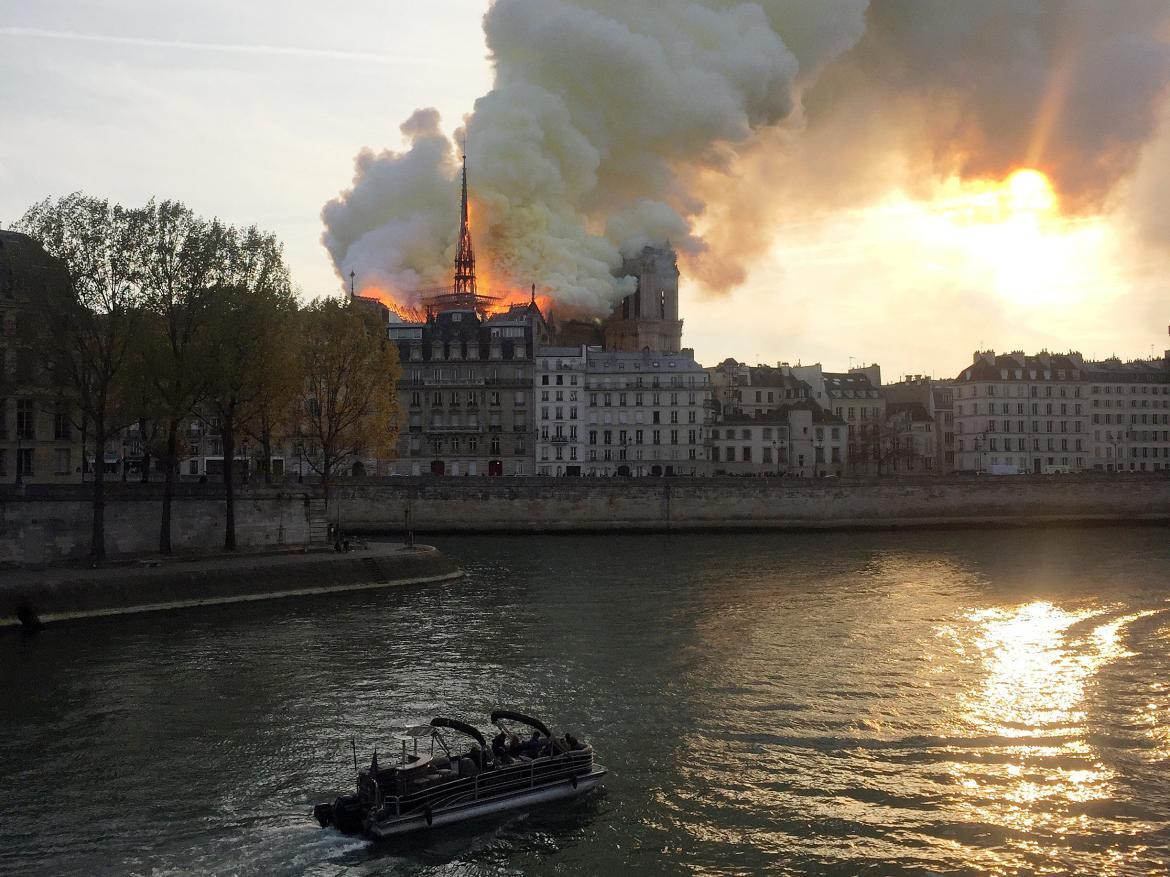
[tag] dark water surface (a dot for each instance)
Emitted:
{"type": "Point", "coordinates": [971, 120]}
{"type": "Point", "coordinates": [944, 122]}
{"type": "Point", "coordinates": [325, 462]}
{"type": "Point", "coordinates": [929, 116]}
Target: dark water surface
{"type": "Point", "coordinates": [954, 703]}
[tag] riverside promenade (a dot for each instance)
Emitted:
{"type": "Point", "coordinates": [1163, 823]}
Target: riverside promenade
{"type": "Point", "coordinates": [34, 598]}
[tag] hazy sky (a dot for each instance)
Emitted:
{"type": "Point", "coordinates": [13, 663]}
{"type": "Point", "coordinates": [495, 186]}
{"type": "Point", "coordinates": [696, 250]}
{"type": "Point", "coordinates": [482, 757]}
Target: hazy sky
{"type": "Point", "coordinates": [255, 111]}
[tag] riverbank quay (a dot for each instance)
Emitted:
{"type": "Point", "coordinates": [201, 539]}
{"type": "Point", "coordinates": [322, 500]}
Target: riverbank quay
{"type": "Point", "coordinates": [44, 525]}
{"type": "Point", "coordinates": [535, 505]}
{"type": "Point", "coordinates": [32, 598]}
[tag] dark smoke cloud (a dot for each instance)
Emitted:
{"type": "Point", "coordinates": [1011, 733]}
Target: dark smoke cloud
{"type": "Point", "coordinates": [612, 124]}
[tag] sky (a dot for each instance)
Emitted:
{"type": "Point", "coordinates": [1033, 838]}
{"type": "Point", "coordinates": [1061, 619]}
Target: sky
{"type": "Point", "coordinates": [808, 232]}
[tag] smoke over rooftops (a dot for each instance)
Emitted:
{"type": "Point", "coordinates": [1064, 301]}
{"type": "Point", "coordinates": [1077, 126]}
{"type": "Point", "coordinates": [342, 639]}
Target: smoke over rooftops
{"type": "Point", "coordinates": [613, 124]}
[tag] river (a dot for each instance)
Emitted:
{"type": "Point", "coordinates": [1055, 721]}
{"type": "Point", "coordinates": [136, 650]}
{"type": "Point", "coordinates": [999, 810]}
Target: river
{"type": "Point", "coordinates": [959, 702]}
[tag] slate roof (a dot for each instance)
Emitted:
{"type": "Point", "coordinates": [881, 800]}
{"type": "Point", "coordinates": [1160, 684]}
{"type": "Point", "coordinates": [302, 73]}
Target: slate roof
{"type": "Point", "coordinates": [1008, 367]}
{"type": "Point", "coordinates": [916, 410]}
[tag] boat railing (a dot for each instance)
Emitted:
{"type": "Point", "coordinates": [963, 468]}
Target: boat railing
{"type": "Point", "coordinates": [495, 783]}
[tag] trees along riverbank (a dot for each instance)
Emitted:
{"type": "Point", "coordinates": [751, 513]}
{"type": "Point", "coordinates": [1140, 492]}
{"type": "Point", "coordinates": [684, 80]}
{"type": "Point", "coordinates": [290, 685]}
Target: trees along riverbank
{"type": "Point", "coordinates": [158, 316]}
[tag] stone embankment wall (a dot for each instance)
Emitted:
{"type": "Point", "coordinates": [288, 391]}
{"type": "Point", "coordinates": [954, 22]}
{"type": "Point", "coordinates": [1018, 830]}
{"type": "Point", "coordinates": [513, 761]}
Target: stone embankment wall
{"type": "Point", "coordinates": [47, 524]}
{"type": "Point", "coordinates": [52, 524]}
{"type": "Point", "coordinates": [545, 504]}
{"type": "Point", "coordinates": [32, 598]}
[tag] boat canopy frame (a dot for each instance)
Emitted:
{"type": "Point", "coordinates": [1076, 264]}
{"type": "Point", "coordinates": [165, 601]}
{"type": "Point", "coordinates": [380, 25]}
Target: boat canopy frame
{"type": "Point", "coordinates": [462, 728]}
{"type": "Point", "coordinates": [509, 715]}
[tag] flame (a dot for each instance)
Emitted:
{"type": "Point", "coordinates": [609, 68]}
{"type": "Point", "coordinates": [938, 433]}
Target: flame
{"type": "Point", "coordinates": [491, 282]}
{"type": "Point", "coordinates": [386, 298]}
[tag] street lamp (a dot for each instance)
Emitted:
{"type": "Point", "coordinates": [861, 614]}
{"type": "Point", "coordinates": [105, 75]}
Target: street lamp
{"type": "Point", "coordinates": [123, 462]}
{"type": "Point", "coordinates": [776, 456]}
{"type": "Point", "coordinates": [300, 462]}
{"type": "Point", "coordinates": [820, 450]}
{"type": "Point", "coordinates": [247, 461]}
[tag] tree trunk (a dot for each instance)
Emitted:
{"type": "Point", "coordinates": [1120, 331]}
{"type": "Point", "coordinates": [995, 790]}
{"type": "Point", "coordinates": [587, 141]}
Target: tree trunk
{"type": "Point", "coordinates": [145, 451]}
{"type": "Point", "coordinates": [229, 479]}
{"type": "Point", "coordinates": [164, 529]}
{"type": "Point", "coordinates": [97, 547]}
{"type": "Point", "coordinates": [266, 449]}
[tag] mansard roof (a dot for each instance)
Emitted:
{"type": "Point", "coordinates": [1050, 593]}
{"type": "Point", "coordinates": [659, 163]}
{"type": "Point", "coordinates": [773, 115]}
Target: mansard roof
{"type": "Point", "coordinates": [916, 411]}
{"type": "Point", "coordinates": [1019, 367]}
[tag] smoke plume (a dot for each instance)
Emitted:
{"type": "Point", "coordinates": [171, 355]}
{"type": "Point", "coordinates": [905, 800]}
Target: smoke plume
{"type": "Point", "coordinates": [614, 124]}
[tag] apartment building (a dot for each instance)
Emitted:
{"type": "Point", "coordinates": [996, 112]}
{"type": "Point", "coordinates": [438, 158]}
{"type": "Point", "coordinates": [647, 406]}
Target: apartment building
{"type": "Point", "coordinates": [1016, 412]}
{"type": "Point", "coordinates": [647, 414]}
{"type": "Point", "coordinates": [560, 405]}
{"type": "Point", "coordinates": [1129, 404]}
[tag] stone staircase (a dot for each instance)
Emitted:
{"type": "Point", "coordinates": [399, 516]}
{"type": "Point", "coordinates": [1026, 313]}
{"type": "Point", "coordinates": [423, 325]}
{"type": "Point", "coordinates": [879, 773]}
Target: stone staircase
{"type": "Point", "coordinates": [318, 522]}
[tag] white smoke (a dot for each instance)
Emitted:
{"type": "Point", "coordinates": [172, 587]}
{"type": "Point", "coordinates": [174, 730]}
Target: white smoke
{"type": "Point", "coordinates": [613, 124]}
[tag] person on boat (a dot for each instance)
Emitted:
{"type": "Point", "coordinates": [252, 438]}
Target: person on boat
{"type": "Point", "coordinates": [532, 746]}
{"type": "Point", "coordinates": [500, 749]}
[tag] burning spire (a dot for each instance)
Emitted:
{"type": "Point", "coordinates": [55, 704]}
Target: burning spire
{"type": "Point", "coordinates": [465, 256]}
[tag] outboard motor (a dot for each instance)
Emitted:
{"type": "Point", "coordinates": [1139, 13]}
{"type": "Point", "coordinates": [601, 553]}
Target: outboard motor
{"type": "Point", "coordinates": [323, 813]}
{"type": "Point", "coordinates": [346, 814]}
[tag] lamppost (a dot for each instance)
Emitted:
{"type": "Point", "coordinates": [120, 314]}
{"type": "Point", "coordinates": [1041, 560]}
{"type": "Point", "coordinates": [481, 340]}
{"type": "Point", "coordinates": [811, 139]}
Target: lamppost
{"type": "Point", "coordinates": [123, 462]}
{"type": "Point", "coordinates": [19, 458]}
{"type": "Point", "coordinates": [820, 452]}
{"type": "Point", "coordinates": [247, 461]}
{"type": "Point", "coordinates": [300, 462]}
{"type": "Point", "coordinates": [776, 456]}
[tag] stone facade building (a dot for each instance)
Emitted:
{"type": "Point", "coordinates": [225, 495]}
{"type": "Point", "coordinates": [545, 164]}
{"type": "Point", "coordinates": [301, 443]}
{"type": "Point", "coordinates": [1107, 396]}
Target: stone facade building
{"type": "Point", "coordinates": [912, 439]}
{"type": "Point", "coordinates": [1129, 404]}
{"type": "Point", "coordinates": [467, 391]}
{"type": "Point", "coordinates": [801, 440]}
{"type": "Point", "coordinates": [1015, 412]}
{"type": "Point", "coordinates": [41, 434]}
{"type": "Point", "coordinates": [647, 414]}
{"type": "Point", "coordinates": [559, 407]}
{"type": "Point", "coordinates": [937, 397]}
{"type": "Point", "coordinates": [647, 319]}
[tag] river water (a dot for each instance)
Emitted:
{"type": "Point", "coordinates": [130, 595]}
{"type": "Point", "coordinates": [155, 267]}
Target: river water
{"type": "Point", "coordinates": [936, 702]}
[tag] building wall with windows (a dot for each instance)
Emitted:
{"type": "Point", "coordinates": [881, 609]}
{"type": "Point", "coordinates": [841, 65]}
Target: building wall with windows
{"type": "Point", "coordinates": [911, 432]}
{"type": "Point", "coordinates": [41, 436]}
{"type": "Point", "coordinates": [1026, 412]}
{"type": "Point", "coordinates": [467, 391]}
{"type": "Point", "coordinates": [1130, 412]}
{"type": "Point", "coordinates": [647, 414]}
{"type": "Point", "coordinates": [937, 397]}
{"type": "Point", "coordinates": [559, 406]}
{"type": "Point", "coordinates": [801, 440]}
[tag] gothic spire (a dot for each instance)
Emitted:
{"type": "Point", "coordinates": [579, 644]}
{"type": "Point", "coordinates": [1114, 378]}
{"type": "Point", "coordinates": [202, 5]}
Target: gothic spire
{"type": "Point", "coordinates": [465, 256]}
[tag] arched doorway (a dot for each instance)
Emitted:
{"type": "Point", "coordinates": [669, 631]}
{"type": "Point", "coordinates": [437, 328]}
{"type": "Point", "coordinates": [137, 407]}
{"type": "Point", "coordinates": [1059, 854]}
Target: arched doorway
{"type": "Point", "coordinates": [495, 467]}
{"type": "Point", "coordinates": [358, 470]}
{"type": "Point", "coordinates": [438, 467]}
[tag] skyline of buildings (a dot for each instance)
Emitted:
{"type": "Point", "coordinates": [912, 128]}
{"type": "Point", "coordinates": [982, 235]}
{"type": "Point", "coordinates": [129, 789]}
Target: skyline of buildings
{"type": "Point", "coordinates": [491, 389]}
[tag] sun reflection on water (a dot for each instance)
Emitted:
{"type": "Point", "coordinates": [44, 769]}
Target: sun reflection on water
{"type": "Point", "coordinates": [1035, 677]}
{"type": "Point", "coordinates": [1038, 662]}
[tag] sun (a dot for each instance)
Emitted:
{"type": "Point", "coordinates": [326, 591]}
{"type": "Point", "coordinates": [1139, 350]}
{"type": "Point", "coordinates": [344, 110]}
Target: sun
{"type": "Point", "coordinates": [1010, 236]}
{"type": "Point", "coordinates": [1029, 191]}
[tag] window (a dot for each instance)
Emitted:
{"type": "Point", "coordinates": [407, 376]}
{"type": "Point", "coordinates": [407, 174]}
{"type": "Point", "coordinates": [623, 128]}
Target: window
{"type": "Point", "coordinates": [24, 462]}
{"type": "Point", "coordinates": [25, 420]}
{"type": "Point", "coordinates": [61, 426]}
